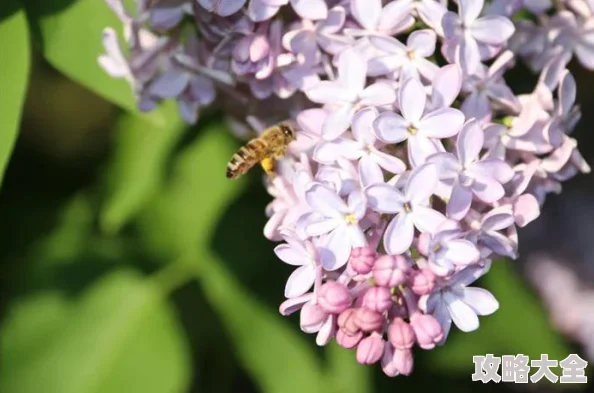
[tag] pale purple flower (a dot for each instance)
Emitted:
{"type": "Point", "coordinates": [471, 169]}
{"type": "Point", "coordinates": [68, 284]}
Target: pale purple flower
{"type": "Point", "coordinates": [577, 35]}
{"type": "Point", "coordinates": [307, 40]}
{"type": "Point", "coordinates": [412, 208]}
{"type": "Point", "coordinates": [445, 87]}
{"type": "Point", "coordinates": [488, 232]}
{"type": "Point", "coordinates": [260, 10]}
{"type": "Point", "coordinates": [421, 130]}
{"type": "Point", "coordinates": [337, 220]}
{"type": "Point", "coordinates": [388, 20]}
{"type": "Point", "coordinates": [468, 175]}
{"type": "Point", "coordinates": [348, 93]}
{"type": "Point", "coordinates": [471, 38]}
{"type": "Point", "coordinates": [365, 147]}
{"type": "Point", "coordinates": [456, 302]}
{"type": "Point", "coordinates": [447, 248]}
{"type": "Point", "coordinates": [409, 60]}
{"type": "Point", "coordinates": [304, 255]}
{"type": "Point", "coordinates": [486, 86]}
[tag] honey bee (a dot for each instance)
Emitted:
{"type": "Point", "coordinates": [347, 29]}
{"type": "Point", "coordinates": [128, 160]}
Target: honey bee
{"type": "Point", "coordinates": [265, 149]}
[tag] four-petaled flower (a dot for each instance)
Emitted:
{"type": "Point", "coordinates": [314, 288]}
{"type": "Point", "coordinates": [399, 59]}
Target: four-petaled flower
{"type": "Point", "coordinates": [412, 208]}
{"type": "Point", "coordinates": [466, 174]}
{"type": "Point", "coordinates": [348, 93]}
{"type": "Point", "coordinates": [337, 221]}
{"type": "Point", "coordinates": [421, 130]}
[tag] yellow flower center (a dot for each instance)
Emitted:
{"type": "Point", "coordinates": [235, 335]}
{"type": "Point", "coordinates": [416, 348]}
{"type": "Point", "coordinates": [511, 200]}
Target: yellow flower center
{"type": "Point", "coordinates": [411, 54]}
{"type": "Point", "coordinates": [412, 129]}
{"type": "Point", "coordinates": [351, 219]}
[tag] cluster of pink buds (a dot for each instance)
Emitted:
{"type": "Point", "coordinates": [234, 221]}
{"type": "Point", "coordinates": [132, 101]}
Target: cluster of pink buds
{"type": "Point", "coordinates": [415, 161]}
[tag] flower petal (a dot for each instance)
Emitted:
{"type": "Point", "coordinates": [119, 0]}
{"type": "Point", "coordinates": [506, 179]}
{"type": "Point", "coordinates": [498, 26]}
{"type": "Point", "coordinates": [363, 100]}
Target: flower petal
{"type": "Point", "coordinates": [469, 10]}
{"type": "Point", "coordinates": [362, 125]}
{"type": "Point", "coordinates": [337, 122]}
{"type": "Point", "coordinates": [385, 198]}
{"type": "Point", "coordinates": [446, 86]}
{"type": "Point", "coordinates": [335, 249]}
{"type": "Point", "coordinates": [441, 123]}
{"type": "Point", "coordinates": [325, 201]}
{"type": "Point", "coordinates": [492, 29]}
{"type": "Point", "coordinates": [321, 226]}
{"type": "Point", "coordinates": [367, 12]}
{"type": "Point", "coordinates": [352, 69]}
{"type": "Point", "coordinates": [258, 10]}
{"type": "Point", "coordinates": [369, 172]}
{"type": "Point", "coordinates": [421, 183]}
{"type": "Point", "coordinates": [292, 255]}
{"type": "Point", "coordinates": [412, 99]}
{"type": "Point", "coordinates": [378, 94]}
{"type": "Point", "coordinates": [461, 252]}
{"type": "Point", "coordinates": [422, 42]}
{"type": "Point", "coordinates": [388, 162]}
{"type": "Point", "coordinates": [328, 152]}
{"type": "Point", "coordinates": [300, 281]}
{"type": "Point", "coordinates": [426, 219]}
{"type": "Point", "coordinates": [481, 300]}
{"type": "Point", "coordinates": [462, 314]}
{"type": "Point", "coordinates": [477, 105]}
{"type": "Point", "coordinates": [399, 234]}
{"type": "Point", "coordinates": [310, 9]}
{"type": "Point", "coordinates": [459, 202]}
{"type": "Point", "coordinates": [470, 142]}
{"type": "Point", "coordinates": [329, 92]}
{"type": "Point", "coordinates": [390, 127]}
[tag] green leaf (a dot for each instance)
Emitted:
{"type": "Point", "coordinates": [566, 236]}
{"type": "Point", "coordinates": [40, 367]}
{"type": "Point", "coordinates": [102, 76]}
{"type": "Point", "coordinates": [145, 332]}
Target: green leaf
{"type": "Point", "coordinates": [180, 221]}
{"type": "Point", "coordinates": [14, 75]}
{"type": "Point", "coordinates": [121, 336]}
{"type": "Point", "coordinates": [137, 167]}
{"type": "Point", "coordinates": [276, 356]}
{"type": "Point", "coordinates": [71, 40]}
{"type": "Point", "coordinates": [345, 374]}
{"type": "Point", "coordinates": [520, 326]}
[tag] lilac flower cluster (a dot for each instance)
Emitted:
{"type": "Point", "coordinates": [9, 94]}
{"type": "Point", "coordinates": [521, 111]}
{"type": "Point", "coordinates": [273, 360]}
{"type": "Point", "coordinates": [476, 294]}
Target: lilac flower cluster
{"type": "Point", "coordinates": [416, 162]}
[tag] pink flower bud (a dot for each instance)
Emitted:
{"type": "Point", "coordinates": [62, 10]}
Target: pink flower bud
{"type": "Point", "coordinates": [422, 281]}
{"type": "Point", "coordinates": [311, 318]}
{"type": "Point", "coordinates": [400, 334]}
{"type": "Point", "coordinates": [346, 340]}
{"type": "Point", "coordinates": [370, 349]}
{"type": "Point", "coordinates": [362, 259]}
{"type": "Point", "coordinates": [403, 361]}
{"type": "Point", "coordinates": [387, 270]}
{"type": "Point", "coordinates": [423, 243]}
{"type": "Point", "coordinates": [388, 367]}
{"type": "Point", "coordinates": [368, 320]}
{"type": "Point", "coordinates": [378, 299]}
{"type": "Point", "coordinates": [346, 321]}
{"type": "Point", "coordinates": [334, 298]}
{"type": "Point", "coordinates": [427, 330]}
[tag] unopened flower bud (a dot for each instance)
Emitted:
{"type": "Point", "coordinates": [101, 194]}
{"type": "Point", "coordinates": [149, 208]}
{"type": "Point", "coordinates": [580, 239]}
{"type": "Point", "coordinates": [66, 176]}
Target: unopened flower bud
{"type": "Point", "coordinates": [403, 361]}
{"type": "Point", "coordinates": [400, 334]}
{"type": "Point", "coordinates": [378, 299]}
{"type": "Point", "coordinates": [368, 320]}
{"type": "Point", "coordinates": [311, 318]}
{"type": "Point", "coordinates": [362, 259]}
{"type": "Point", "coordinates": [370, 349]}
{"type": "Point", "coordinates": [334, 298]}
{"type": "Point", "coordinates": [422, 281]}
{"type": "Point", "coordinates": [346, 321]}
{"type": "Point", "coordinates": [346, 340]}
{"type": "Point", "coordinates": [388, 271]}
{"type": "Point", "coordinates": [427, 330]}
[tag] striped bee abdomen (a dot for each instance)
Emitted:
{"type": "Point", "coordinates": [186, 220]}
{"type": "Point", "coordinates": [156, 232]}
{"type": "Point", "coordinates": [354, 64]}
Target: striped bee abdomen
{"type": "Point", "coordinates": [245, 158]}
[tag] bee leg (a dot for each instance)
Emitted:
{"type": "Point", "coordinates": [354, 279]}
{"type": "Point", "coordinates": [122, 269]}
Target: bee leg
{"type": "Point", "coordinates": [269, 165]}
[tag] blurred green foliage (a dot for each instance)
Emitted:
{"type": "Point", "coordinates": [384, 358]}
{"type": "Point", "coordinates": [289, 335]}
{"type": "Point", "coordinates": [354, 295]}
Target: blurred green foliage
{"type": "Point", "coordinates": [143, 269]}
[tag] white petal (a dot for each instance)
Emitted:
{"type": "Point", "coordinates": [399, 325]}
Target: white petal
{"type": "Point", "coordinates": [462, 314]}
{"type": "Point", "coordinates": [481, 300]}
{"type": "Point", "coordinates": [399, 234]}
{"type": "Point", "coordinates": [300, 281]}
{"type": "Point", "coordinates": [385, 198]}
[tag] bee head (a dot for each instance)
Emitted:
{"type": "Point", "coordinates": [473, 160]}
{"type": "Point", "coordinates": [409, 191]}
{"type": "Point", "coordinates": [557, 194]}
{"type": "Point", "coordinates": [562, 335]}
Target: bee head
{"type": "Point", "coordinates": [288, 131]}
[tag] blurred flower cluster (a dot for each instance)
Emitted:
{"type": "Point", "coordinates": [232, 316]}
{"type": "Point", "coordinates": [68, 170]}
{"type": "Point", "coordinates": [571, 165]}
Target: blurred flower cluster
{"type": "Point", "coordinates": [415, 162]}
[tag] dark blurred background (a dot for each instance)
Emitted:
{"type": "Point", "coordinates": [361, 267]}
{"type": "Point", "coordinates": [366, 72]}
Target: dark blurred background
{"type": "Point", "coordinates": [129, 264]}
